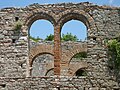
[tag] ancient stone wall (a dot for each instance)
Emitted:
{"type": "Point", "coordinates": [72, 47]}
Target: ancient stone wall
{"type": "Point", "coordinates": [49, 83]}
{"type": "Point", "coordinates": [102, 22]}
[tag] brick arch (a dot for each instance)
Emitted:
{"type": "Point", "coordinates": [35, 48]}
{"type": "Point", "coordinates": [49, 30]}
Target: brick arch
{"type": "Point", "coordinates": [73, 68]}
{"type": "Point", "coordinates": [33, 16]}
{"type": "Point", "coordinates": [66, 16]}
{"type": "Point", "coordinates": [75, 54]}
{"type": "Point", "coordinates": [67, 55]}
{"type": "Point", "coordinates": [50, 69]}
{"type": "Point", "coordinates": [76, 15]}
{"type": "Point", "coordinates": [39, 15]}
{"type": "Point", "coordinates": [39, 50]}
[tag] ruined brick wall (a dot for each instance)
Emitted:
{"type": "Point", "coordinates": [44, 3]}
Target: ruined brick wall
{"type": "Point", "coordinates": [102, 22]}
{"type": "Point", "coordinates": [69, 49]}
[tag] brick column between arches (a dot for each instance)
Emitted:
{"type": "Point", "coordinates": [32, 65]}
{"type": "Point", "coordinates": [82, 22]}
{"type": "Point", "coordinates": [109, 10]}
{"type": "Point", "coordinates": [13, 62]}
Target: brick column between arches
{"type": "Point", "coordinates": [57, 50]}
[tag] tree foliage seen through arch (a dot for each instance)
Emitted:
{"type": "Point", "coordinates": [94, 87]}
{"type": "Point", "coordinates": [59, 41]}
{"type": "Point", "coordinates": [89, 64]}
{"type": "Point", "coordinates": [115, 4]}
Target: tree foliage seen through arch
{"type": "Point", "coordinates": [64, 37]}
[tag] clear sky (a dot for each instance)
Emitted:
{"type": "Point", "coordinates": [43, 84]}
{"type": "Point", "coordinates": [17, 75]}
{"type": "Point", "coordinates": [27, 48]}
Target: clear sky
{"type": "Point", "coordinates": [23, 3]}
{"type": "Point", "coordinates": [42, 28]}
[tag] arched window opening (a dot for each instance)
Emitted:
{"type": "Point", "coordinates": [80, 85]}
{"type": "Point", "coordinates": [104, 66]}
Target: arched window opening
{"type": "Point", "coordinates": [74, 30]}
{"type": "Point", "coordinates": [80, 72]}
{"type": "Point", "coordinates": [40, 30]}
{"type": "Point", "coordinates": [42, 64]}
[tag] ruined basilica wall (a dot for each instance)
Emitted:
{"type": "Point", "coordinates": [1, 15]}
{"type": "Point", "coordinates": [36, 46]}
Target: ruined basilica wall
{"type": "Point", "coordinates": [103, 23]}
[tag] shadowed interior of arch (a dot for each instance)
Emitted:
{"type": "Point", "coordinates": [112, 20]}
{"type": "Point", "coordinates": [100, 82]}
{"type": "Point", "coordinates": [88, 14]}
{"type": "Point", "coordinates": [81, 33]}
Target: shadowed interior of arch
{"type": "Point", "coordinates": [80, 72]}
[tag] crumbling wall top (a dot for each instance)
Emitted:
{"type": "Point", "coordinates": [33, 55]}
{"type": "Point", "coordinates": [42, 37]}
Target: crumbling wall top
{"type": "Point", "coordinates": [63, 5]}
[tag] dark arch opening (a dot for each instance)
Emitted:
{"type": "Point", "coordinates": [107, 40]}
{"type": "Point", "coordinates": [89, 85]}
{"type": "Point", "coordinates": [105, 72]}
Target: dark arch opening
{"type": "Point", "coordinates": [80, 72]}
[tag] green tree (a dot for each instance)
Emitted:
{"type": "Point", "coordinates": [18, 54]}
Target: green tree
{"type": "Point", "coordinates": [69, 37]}
{"type": "Point", "coordinates": [49, 37]}
{"type": "Point", "coordinates": [114, 56]}
{"type": "Point", "coordinates": [114, 48]}
{"type": "Point", "coordinates": [65, 37]}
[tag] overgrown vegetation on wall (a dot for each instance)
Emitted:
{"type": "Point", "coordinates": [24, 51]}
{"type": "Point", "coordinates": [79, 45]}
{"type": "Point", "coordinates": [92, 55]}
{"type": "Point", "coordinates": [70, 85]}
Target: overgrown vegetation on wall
{"type": "Point", "coordinates": [80, 55]}
{"type": "Point", "coordinates": [17, 30]}
{"type": "Point", "coordinates": [114, 55]}
{"type": "Point", "coordinates": [17, 25]}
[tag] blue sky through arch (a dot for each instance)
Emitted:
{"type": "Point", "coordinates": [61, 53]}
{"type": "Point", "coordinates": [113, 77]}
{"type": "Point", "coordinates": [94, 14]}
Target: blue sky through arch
{"type": "Point", "coordinates": [73, 26]}
{"type": "Point", "coordinates": [76, 28]}
{"type": "Point", "coordinates": [41, 28]}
